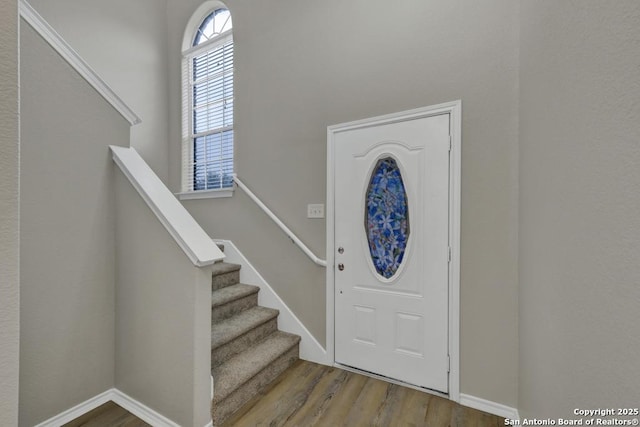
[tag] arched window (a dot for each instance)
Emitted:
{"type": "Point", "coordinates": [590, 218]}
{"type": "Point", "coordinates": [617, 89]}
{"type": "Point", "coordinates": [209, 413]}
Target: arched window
{"type": "Point", "coordinates": [207, 98]}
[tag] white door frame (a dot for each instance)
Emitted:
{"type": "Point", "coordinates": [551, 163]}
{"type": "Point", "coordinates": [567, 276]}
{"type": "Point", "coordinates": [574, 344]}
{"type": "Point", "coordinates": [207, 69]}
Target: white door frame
{"type": "Point", "coordinates": [453, 108]}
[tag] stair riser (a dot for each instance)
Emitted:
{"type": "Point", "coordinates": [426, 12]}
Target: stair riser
{"type": "Point", "coordinates": [232, 308]}
{"type": "Point", "coordinates": [243, 342]}
{"type": "Point", "coordinates": [220, 281]}
{"type": "Point", "coordinates": [221, 410]}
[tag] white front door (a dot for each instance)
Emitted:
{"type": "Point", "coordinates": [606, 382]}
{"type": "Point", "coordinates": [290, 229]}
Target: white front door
{"type": "Point", "coordinates": [392, 250]}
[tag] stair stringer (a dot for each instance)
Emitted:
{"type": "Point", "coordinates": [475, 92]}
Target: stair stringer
{"type": "Point", "coordinates": [310, 348]}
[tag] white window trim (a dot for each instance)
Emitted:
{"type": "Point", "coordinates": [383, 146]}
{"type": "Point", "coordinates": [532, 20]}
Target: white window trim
{"type": "Point", "coordinates": [194, 51]}
{"type": "Point", "coordinates": [188, 53]}
{"type": "Point", "coordinates": [196, 19]}
{"type": "Point", "coordinates": [206, 194]}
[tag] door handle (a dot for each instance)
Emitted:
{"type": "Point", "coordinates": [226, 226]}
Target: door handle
{"type": "Point", "coordinates": [341, 266]}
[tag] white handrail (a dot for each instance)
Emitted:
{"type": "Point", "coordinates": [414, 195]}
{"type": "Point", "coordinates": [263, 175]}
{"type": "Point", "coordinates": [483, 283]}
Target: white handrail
{"type": "Point", "coordinates": [193, 240]}
{"type": "Point", "coordinates": [42, 27]}
{"type": "Point", "coordinates": [280, 224]}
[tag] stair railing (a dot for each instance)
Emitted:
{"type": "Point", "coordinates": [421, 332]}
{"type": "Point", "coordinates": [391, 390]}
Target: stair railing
{"type": "Point", "coordinates": [29, 14]}
{"type": "Point", "coordinates": [279, 223]}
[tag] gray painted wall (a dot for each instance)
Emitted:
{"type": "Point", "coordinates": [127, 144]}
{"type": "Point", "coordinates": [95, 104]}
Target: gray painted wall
{"type": "Point", "coordinates": [301, 66]}
{"type": "Point", "coordinates": [163, 316]}
{"type": "Point", "coordinates": [67, 237]}
{"type": "Point", "coordinates": [579, 205]}
{"type": "Point", "coordinates": [125, 42]}
{"type": "Point", "coordinates": [9, 214]}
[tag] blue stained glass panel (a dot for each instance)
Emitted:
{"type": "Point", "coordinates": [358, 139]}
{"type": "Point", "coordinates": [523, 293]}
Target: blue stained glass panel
{"type": "Point", "coordinates": [387, 217]}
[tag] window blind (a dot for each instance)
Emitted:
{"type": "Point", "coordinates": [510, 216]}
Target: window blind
{"type": "Point", "coordinates": [208, 116]}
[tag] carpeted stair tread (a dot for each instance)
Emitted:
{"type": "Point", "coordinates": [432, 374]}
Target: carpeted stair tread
{"type": "Point", "coordinates": [222, 410]}
{"type": "Point", "coordinates": [233, 327]}
{"type": "Point", "coordinates": [241, 368]}
{"type": "Point", "coordinates": [224, 267]}
{"type": "Point", "coordinates": [231, 293]}
{"type": "Point", "coordinates": [224, 274]}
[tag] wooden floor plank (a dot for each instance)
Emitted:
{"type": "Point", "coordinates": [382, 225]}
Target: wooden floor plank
{"type": "Point", "coordinates": [439, 413]}
{"type": "Point", "coordinates": [320, 398]}
{"type": "Point", "coordinates": [369, 402]}
{"type": "Point", "coordinates": [109, 418]}
{"type": "Point", "coordinates": [343, 402]}
{"type": "Point", "coordinates": [80, 421]}
{"type": "Point", "coordinates": [413, 409]}
{"type": "Point", "coordinates": [389, 411]}
{"type": "Point", "coordinates": [107, 415]}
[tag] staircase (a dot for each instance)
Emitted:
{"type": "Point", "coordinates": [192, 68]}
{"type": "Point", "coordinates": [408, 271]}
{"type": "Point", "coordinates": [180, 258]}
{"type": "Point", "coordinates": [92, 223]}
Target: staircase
{"type": "Point", "coordinates": [248, 351]}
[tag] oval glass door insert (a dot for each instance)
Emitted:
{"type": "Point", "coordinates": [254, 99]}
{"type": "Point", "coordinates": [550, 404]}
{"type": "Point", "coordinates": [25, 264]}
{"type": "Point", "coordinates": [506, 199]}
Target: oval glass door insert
{"type": "Point", "coordinates": [387, 217]}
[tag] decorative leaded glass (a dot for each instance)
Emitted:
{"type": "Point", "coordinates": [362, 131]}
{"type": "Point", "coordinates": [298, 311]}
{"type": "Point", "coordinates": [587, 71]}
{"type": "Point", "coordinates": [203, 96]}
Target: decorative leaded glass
{"type": "Point", "coordinates": [218, 22]}
{"type": "Point", "coordinates": [387, 217]}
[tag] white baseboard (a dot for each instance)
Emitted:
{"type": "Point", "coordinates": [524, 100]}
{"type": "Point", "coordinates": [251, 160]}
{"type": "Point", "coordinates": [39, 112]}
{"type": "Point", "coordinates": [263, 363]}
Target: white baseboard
{"type": "Point", "coordinates": [489, 406]}
{"type": "Point", "coordinates": [310, 348]}
{"type": "Point", "coordinates": [78, 410]}
{"type": "Point", "coordinates": [141, 411]}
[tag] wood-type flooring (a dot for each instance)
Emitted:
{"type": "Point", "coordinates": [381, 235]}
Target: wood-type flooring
{"type": "Point", "coordinates": [107, 415]}
{"type": "Point", "coordinates": [308, 394]}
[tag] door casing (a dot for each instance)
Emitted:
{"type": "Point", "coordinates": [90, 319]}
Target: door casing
{"type": "Point", "coordinates": [453, 108]}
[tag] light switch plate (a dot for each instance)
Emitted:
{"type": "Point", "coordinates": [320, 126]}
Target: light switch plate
{"type": "Point", "coordinates": [315, 210]}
